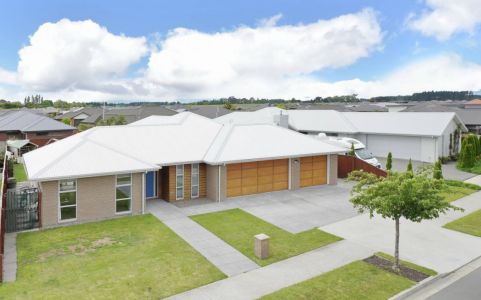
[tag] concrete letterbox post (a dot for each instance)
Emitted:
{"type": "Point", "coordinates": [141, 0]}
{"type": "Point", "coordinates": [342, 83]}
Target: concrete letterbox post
{"type": "Point", "coordinates": [261, 246]}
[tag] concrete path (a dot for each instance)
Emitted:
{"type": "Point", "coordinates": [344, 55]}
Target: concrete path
{"type": "Point", "coordinates": [425, 243]}
{"type": "Point", "coordinates": [475, 180]}
{"type": "Point", "coordinates": [271, 278]}
{"type": "Point", "coordinates": [10, 258]}
{"type": "Point", "coordinates": [229, 260]}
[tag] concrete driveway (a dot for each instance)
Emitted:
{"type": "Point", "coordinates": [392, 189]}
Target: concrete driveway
{"type": "Point", "coordinates": [449, 170]}
{"type": "Point", "coordinates": [425, 243]}
{"type": "Point", "coordinates": [294, 211]}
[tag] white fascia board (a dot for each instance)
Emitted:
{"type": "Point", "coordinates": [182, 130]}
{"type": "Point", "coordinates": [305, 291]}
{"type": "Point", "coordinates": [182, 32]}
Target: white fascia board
{"type": "Point", "coordinates": [43, 179]}
{"type": "Point", "coordinates": [271, 158]}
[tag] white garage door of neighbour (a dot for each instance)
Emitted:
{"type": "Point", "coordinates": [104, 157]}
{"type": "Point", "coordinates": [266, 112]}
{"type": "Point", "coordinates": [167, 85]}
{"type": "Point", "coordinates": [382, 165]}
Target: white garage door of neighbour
{"type": "Point", "coordinates": [401, 147]}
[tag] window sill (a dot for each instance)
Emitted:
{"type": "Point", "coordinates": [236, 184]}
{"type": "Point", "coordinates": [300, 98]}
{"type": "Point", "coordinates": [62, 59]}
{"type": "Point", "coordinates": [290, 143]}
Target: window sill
{"type": "Point", "coordinates": [123, 212]}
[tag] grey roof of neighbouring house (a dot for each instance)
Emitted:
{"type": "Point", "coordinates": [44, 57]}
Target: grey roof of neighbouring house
{"type": "Point", "coordinates": [131, 114]}
{"type": "Point", "coordinates": [468, 116]}
{"type": "Point", "coordinates": [26, 121]}
{"type": "Point", "coordinates": [209, 111]}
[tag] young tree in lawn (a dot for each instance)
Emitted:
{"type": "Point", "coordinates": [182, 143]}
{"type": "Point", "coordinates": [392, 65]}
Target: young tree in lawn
{"type": "Point", "coordinates": [389, 161]}
{"type": "Point", "coordinates": [438, 170]}
{"type": "Point", "coordinates": [413, 196]}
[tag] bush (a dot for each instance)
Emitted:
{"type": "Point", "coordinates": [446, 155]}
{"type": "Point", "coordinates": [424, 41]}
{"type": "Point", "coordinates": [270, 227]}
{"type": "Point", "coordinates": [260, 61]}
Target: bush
{"type": "Point", "coordinates": [438, 170]}
{"type": "Point", "coordinates": [410, 166]}
{"type": "Point", "coordinates": [389, 161]}
{"type": "Point", "coordinates": [467, 156]}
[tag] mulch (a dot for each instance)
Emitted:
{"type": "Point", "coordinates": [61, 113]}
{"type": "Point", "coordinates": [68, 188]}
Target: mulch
{"type": "Point", "coordinates": [385, 264]}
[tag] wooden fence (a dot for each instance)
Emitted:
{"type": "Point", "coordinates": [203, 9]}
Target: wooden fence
{"type": "Point", "coordinates": [346, 164]}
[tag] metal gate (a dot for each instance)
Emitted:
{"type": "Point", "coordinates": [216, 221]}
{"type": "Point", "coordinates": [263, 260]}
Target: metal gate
{"type": "Point", "coordinates": [22, 209]}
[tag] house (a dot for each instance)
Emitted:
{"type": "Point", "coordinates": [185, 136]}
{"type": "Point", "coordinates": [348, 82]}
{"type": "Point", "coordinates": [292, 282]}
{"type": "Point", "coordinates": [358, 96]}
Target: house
{"type": "Point", "coordinates": [208, 111]}
{"type": "Point", "coordinates": [111, 170]}
{"type": "Point", "coordinates": [20, 147]}
{"type": "Point", "coordinates": [475, 103]}
{"type": "Point", "coordinates": [38, 129]}
{"type": "Point", "coordinates": [417, 136]}
{"type": "Point", "coordinates": [91, 115]}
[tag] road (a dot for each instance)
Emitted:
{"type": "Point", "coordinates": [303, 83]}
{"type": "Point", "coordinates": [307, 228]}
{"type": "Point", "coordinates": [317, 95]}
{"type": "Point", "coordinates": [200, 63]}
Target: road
{"type": "Point", "coordinates": [466, 288]}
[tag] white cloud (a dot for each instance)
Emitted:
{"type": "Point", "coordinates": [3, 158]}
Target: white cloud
{"type": "Point", "coordinates": [446, 17]}
{"type": "Point", "coordinates": [8, 77]}
{"type": "Point", "coordinates": [76, 55]}
{"type": "Point", "coordinates": [199, 63]}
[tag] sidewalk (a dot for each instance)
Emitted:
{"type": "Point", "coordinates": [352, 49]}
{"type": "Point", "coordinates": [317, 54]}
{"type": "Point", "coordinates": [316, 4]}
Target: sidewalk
{"type": "Point", "coordinates": [10, 258]}
{"type": "Point", "coordinates": [229, 260]}
{"type": "Point", "coordinates": [271, 278]}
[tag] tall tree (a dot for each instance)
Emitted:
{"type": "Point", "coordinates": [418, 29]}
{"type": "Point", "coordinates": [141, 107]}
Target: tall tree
{"type": "Point", "coordinates": [413, 196]}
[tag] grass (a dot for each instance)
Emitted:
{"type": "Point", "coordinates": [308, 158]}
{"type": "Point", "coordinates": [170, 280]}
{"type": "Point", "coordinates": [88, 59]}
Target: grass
{"type": "Point", "coordinates": [408, 264]}
{"type": "Point", "coordinates": [237, 228]}
{"type": "Point", "coordinates": [125, 258]}
{"type": "Point", "coordinates": [19, 173]}
{"type": "Point", "coordinates": [476, 169]}
{"type": "Point", "coordinates": [357, 280]}
{"type": "Point", "coordinates": [470, 224]}
{"type": "Point", "coordinates": [455, 190]}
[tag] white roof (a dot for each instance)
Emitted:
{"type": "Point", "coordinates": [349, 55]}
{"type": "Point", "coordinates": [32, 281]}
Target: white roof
{"type": "Point", "coordinates": [166, 140]}
{"type": "Point", "coordinates": [391, 123]}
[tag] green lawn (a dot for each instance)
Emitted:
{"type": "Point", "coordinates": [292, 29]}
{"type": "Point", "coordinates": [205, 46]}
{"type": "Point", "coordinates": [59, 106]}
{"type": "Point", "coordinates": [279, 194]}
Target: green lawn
{"type": "Point", "coordinates": [470, 224]}
{"type": "Point", "coordinates": [408, 264]}
{"type": "Point", "coordinates": [357, 280]}
{"type": "Point", "coordinates": [476, 169]}
{"type": "Point", "coordinates": [237, 228]}
{"type": "Point", "coordinates": [19, 172]}
{"type": "Point", "coordinates": [455, 190]}
{"type": "Point", "coordinates": [126, 258]}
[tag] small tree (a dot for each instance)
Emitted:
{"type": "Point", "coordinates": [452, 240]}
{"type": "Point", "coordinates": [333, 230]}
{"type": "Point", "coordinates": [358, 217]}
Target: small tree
{"type": "Point", "coordinates": [413, 196]}
{"type": "Point", "coordinates": [66, 121]}
{"type": "Point", "coordinates": [438, 170]}
{"type": "Point", "coordinates": [467, 156]}
{"type": "Point", "coordinates": [352, 152]}
{"type": "Point", "coordinates": [410, 166]}
{"type": "Point", "coordinates": [389, 161]}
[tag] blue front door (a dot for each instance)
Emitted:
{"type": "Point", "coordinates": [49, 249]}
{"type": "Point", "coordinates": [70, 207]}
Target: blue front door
{"type": "Point", "coordinates": [150, 184]}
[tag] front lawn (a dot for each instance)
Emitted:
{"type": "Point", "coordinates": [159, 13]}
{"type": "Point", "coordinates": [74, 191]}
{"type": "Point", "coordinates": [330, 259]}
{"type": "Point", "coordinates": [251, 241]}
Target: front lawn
{"type": "Point", "coordinates": [476, 169]}
{"type": "Point", "coordinates": [238, 228]}
{"type": "Point", "coordinates": [19, 172]}
{"type": "Point", "coordinates": [126, 258]}
{"type": "Point", "coordinates": [357, 280]}
{"type": "Point", "coordinates": [470, 224]}
{"type": "Point", "coordinates": [455, 190]}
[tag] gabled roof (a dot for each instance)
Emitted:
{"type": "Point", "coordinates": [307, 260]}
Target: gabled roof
{"type": "Point", "coordinates": [26, 121]}
{"type": "Point", "coordinates": [326, 120]}
{"type": "Point", "coordinates": [161, 140]}
{"type": "Point", "coordinates": [17, 144]}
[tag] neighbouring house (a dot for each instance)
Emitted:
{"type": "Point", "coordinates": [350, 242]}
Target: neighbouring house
{"type": "Point", "coordinates": [417, 136]}
{"type": "Point", "coordinates": [20, 147]}
{"type": "Point", "coordinates": [91, 115]}
{"type": "Point", "coordinates": [475, 103]}
{"type": "Point", "coordinates": [108, 171]}
{"type": "Point", "coordinates": [38, 129]}
{"type": "Point", "coordinates": [208, 111]}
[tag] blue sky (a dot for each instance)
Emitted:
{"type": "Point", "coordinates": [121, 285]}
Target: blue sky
{"type": "Point", "coordinates": [406, 35]}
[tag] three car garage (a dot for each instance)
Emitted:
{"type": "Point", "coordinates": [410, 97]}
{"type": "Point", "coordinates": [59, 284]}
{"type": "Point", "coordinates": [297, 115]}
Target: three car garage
{"type": "Point", "coordinates": [273, 175]}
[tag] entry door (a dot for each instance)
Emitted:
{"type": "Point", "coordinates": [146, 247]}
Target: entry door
{"type": "Point", "coordinates": [150, 186]}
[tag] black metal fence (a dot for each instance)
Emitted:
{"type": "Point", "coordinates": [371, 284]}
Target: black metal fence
{"type": "Point", "coordinates": [21, 211]}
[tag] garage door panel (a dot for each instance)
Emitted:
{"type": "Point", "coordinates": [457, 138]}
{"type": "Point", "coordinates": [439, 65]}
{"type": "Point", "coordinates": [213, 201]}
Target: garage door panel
{"type": "Point", "coordinates": [313, 171]}
{"type": "Point", "coordinates": [249, 173]}
{"type": "Point", "coordinates": [401, 147]}
{"type": "Point", "coordinates": [263, 188]}
{"type": "Point", "coordinates": [257, 177]}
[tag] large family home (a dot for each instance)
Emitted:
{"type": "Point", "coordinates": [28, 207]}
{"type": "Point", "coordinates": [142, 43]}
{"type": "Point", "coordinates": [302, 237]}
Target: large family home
{"type": "Point", "coordinates": [108, 171]}
{"type": "Point", "coordinates": [37, 129]}
{"type": "Point", "coordinates": [416, 135]}
{"type": "Point", "coordinates": [91, 115]}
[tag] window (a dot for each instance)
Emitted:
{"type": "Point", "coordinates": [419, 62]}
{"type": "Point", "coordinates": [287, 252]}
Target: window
{"type": "Point", "coordinates": [179, 182]}
{"type": "Point", "coordinates": [123, 193]}
{"type": "Point", "coordinates": [195, 181]}
{"type": "Point", "coordinates": [67, 200]}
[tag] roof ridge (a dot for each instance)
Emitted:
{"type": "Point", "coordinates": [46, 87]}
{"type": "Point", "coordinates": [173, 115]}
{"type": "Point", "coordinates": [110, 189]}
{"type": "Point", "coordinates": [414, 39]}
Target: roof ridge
{"type": "Point", "coordinates": [225, 129]}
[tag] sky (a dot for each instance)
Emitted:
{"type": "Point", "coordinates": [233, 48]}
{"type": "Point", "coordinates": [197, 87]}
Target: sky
{"type": "Point", "coordinates": [188, 50]}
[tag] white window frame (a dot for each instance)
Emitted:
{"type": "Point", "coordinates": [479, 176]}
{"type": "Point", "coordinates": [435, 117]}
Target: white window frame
{"type": "Point", "coordinates": [122, 199]}
{"type": "Point", "coordinates": [176, 181]}
{"type": "Point", "coordinates": [72, 205]}
{"type": "Point", "coordinates": [197, 186]}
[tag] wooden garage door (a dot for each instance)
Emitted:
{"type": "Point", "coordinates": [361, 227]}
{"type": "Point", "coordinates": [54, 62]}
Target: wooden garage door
{"type": "Point", "coordinates": [313, 170]}
{"type": "Point", "coordinates": [257, 177]}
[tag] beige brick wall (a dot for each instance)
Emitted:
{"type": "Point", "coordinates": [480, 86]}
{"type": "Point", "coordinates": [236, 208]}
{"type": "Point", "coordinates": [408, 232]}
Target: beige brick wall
{"type": "Point", "coordinates": [95, 199]}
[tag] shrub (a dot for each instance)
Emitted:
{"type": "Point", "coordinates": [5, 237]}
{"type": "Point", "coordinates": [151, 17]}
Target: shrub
{"type": "Point", "coordinates": [438, 170]}
{"type": "Point", "coordinates": [352, 152]}
{"type": "Point", "coordinates": [467, 157]}
{"type": "Point", "coordinates": [410, 166]}
{"type": "Point", "coordinates": [389, 161]}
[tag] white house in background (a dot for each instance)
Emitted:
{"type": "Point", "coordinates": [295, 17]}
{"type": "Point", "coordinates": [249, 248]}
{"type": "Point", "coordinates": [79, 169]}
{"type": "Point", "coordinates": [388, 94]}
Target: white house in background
{"type": "Point", "coordinates": [422, 136]}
